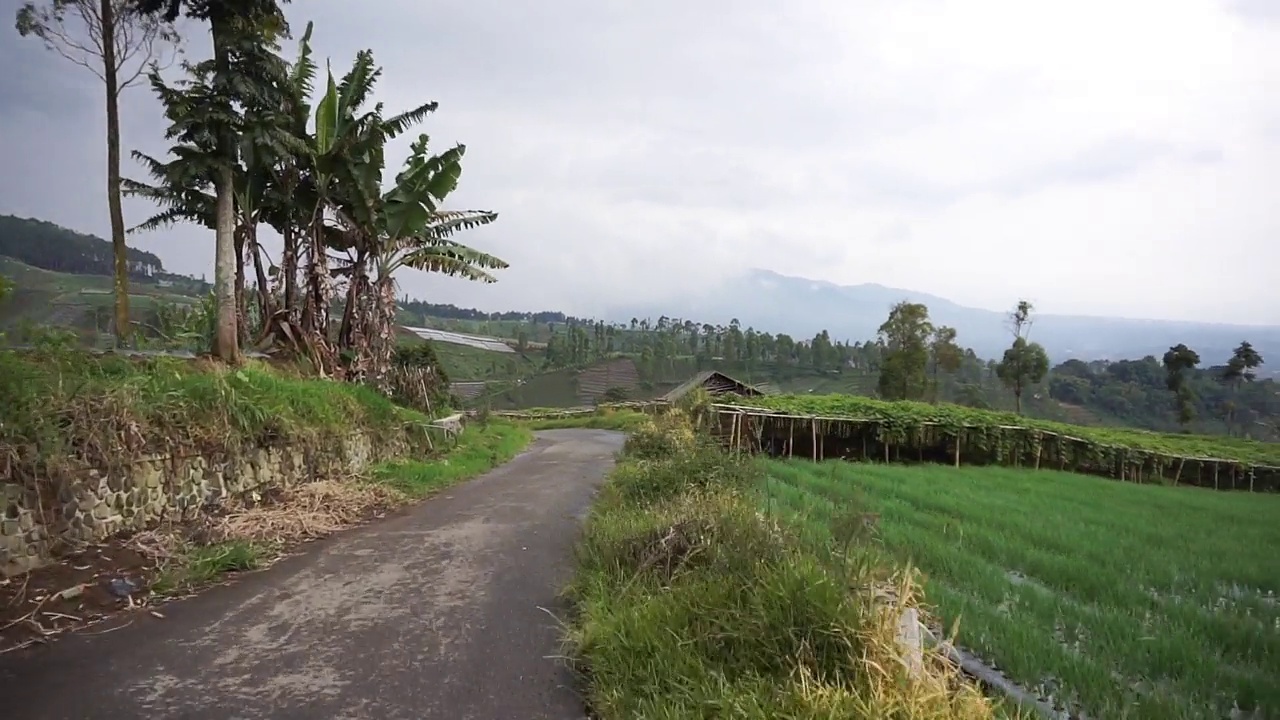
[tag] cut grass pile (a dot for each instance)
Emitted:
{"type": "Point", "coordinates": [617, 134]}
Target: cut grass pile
{"type": "Point", "coordinates": [906, 417]}
{"type": "Point", "coordinates": [102, 409]}
{"type": "Point", "coordinates": [1117, 599]}
{"type": "Point", "coordinates": [691, 603]}
{"type": "Point", "coordinates": [245, 536]}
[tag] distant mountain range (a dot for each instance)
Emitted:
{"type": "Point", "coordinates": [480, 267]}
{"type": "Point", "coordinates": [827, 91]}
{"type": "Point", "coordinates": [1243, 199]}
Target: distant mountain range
{"type": "Point", "coordinates": [802, 307]}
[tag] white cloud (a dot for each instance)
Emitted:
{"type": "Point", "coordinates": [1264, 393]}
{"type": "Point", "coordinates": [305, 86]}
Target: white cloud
{"type": "Point", "coordinates": [1100, 157]}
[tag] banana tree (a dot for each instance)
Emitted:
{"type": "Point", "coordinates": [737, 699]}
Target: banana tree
{"type": "Point", "coordinates": [349, 159]}
{"type": "Point", "coordinates": [411, 230]}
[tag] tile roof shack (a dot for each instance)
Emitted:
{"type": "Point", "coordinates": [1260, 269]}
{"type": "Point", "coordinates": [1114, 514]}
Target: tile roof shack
{"type": "Point", "coordinates": [715, 383]}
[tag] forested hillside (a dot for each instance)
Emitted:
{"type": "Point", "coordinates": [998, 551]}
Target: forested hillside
{"type": "Point", "coordinates": [47, 246]}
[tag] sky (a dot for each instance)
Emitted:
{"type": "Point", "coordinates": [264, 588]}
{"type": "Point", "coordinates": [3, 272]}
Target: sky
{"type": "Point", "coordinates": [1097, 157]}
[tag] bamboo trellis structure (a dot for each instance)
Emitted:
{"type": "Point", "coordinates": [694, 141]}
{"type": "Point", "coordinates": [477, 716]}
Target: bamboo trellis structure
{"type": "Point", "coordinates": [873, 439]}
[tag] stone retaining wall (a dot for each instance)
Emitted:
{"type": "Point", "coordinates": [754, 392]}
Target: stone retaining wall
{"type": "Point", "coordinates": [37, 521]}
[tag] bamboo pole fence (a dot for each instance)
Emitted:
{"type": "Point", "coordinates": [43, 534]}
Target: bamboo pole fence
{"type": "Point", "coordinates": [818, 438]}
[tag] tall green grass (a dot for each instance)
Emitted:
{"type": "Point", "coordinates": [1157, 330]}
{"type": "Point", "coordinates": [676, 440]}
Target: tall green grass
{"type": "Point", "coordinates": [691, 603]}
{"type": "Point", "coordinates": [1122, 600]}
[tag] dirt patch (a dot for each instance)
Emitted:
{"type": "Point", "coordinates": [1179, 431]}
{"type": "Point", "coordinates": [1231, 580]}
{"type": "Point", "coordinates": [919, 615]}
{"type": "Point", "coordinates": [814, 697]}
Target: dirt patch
{"type": "Point", "coordinates": [103, 580]}
{"type": "Point", "coordinates": [82, 588]}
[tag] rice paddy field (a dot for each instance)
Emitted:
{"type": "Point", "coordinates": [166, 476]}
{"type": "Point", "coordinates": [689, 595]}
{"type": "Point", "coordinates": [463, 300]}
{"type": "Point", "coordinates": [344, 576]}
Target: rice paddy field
{"type": "Point", "coordinates": [1114, 600]}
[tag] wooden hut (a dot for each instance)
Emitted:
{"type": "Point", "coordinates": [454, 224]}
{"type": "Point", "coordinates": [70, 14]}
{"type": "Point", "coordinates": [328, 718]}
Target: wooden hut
{"type": "Point", "coordinates": [715, 383]}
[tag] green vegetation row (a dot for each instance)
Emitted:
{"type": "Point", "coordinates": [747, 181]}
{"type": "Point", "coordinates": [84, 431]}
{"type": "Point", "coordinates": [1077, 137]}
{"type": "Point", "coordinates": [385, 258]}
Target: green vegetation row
{"type": "Point", "coordinates": [692, 603]}
{"type": "Point", "coordinates": [1164, 609]}
{"type": "Point", "coordinates": [899, 421]}
{"type": "Point", "coordinates": [75, 407]}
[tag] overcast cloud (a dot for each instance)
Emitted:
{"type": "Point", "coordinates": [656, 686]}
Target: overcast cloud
{"type": "Point", "coordinates": [1099, 157]}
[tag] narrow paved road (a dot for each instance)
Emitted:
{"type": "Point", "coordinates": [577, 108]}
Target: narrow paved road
{"type": "Point", "coordinates": [442, 612]}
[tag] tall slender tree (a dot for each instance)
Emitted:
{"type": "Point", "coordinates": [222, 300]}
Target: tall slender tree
{"type": "Point", "coordinates": [244, 34]}
{"type": "Point", "coordinates": [944, 354]}
{"type": "Point", "coordinates": [905, 335]}
{"type": "Point", "coordinates": [1178, 363]}
{"type": "Point", "coordinates": [117, 44]}
{"type": "Point", "coordinates": [1025, 363]}
{"type": "Point", "coordinates": [1241, 368]}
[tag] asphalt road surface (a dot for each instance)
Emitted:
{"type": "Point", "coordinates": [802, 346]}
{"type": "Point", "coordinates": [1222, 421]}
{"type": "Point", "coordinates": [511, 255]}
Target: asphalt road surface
{"type": "Point", "coordinates": [446, 611]}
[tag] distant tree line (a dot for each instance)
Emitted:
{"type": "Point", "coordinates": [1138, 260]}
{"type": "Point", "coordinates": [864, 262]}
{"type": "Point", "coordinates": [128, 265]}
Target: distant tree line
{"type": "Point", "coordinates": [51, 247]}
{"type": "Point", "coordinates": [419, 311]}
{"type": "Point", "coordinates": [912, 359]}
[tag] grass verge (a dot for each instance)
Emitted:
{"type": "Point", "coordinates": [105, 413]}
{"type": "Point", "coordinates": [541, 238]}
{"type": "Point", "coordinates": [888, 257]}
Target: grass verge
{"type": "Point", "coordinates": [692, 603]}
{"type": "Point", "coordinates": [480, 448]}
{"type": "Point", "coordinates": [1115, 599]}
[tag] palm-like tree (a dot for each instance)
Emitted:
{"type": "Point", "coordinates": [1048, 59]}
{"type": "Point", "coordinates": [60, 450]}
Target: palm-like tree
{"type": "Point", "coordinates": [208, 116]}
{"type": "Point", "coordinates": [316, 176]}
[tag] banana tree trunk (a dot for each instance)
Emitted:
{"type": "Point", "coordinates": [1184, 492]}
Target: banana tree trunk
{"type": "Point", "coordinates": [242, 310]}
{"type": "Point", "coordinates": [319, 287]}
{"type": "Point", "coordinates": [289, 269]}
{"type": "Point", "coordinates": [266, 296]}
{"type": "Point", "coordinates": [353, 312]}
{"type": "Point", "coordinates": [380, 332]}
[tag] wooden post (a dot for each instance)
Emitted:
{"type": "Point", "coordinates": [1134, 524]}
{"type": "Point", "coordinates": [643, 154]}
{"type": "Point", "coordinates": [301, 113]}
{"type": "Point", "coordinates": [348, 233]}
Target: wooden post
{"type": "Point", "coordinates": [822, 453]}
{"type": "Point", "coordinates": [1039, 447]}
{"type": "Point", "coordinates": [1215, 475]}
{"type": "Point", "coordinates": [957, 449]}
{"type": "Point", "coordinates": [1178, 474]}
{"type": "Point", "coordinates": [813, 425]}
{"type": "Point", "coordinates": [791, 436]}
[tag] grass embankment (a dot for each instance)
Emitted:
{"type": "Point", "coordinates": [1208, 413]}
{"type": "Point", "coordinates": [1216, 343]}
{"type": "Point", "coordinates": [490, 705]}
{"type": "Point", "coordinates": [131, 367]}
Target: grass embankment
{"type": "Point", "coordinates": [64, 410]}
{"type": "Point", "coordinates": [1122, 600]}
{"type": "Point", "coordinates": [107, 409]}
{"type": "Point", "coordinates": [907, 416]}
{"type": "Point", "coordinates": [692, 603]}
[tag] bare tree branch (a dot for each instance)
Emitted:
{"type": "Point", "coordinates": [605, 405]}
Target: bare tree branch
{"type": "Point", "coordinates": [74, 30]}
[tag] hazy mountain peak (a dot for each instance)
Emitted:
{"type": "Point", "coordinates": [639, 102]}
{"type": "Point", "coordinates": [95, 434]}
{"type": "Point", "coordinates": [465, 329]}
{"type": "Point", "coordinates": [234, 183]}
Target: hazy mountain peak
{"type": "Point", "coordinates": [802, 307]}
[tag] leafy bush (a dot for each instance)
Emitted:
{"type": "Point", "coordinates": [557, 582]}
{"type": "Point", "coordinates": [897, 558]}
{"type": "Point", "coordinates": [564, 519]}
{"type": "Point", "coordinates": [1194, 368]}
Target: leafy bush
{"type": "Point", "coordinates": [661, 437]}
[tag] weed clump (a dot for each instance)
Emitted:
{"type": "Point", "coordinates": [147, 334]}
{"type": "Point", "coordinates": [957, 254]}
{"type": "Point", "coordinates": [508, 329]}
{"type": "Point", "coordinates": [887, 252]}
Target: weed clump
{"type": "Point", "coordinates": [694, 603]}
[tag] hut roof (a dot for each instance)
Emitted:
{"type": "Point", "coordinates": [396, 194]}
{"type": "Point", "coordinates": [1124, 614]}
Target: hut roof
{"type": "Point", "coordinates": [716, 383]}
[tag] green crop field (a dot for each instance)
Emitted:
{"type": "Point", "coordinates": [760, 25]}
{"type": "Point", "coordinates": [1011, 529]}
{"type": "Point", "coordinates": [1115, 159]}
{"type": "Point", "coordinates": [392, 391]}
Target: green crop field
{"type": "Point", "coordinates": [905, 417]}
{"type": "Point", "coordinates": [1117, 599]}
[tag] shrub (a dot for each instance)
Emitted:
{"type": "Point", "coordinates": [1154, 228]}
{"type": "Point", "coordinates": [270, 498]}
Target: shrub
{"type": "Point", "coordinates": [661, 437]}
